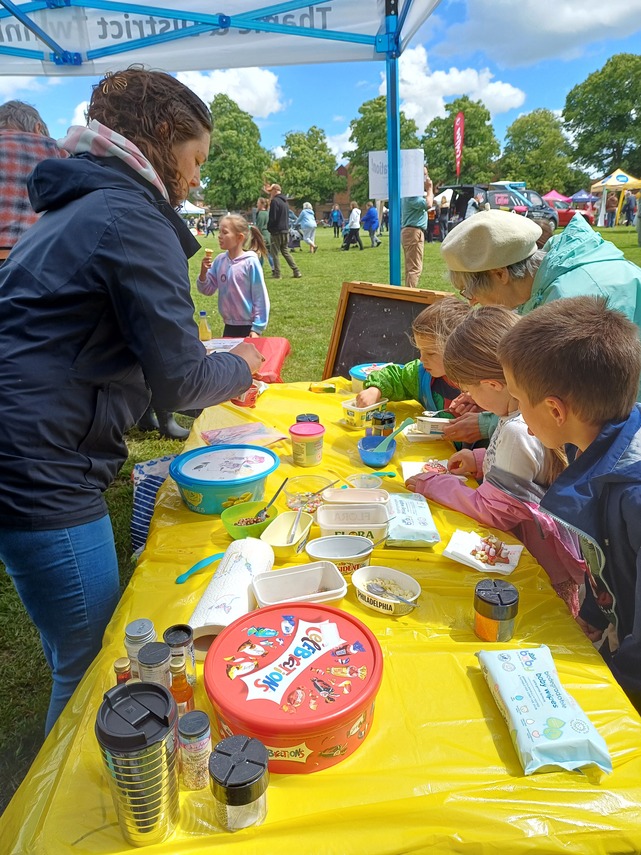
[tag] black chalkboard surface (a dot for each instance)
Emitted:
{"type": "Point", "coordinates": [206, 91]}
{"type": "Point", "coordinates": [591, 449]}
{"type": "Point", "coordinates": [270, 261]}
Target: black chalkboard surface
{"type": "Point", "coordinates": [373, 323]}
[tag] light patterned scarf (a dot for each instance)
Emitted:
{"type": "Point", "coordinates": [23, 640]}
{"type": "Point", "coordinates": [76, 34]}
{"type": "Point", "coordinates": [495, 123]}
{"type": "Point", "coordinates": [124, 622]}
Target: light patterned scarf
{"type": "Point", "coordinates": [101, 141]}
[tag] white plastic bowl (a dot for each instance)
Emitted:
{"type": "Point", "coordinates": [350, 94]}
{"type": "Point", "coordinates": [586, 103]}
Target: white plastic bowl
{"type": "Point", "coordinates": [388, 606]}
{"type": "Point", "coordinates": [347, 552]}
{"type": "Point", "coordinates": [318, 582]}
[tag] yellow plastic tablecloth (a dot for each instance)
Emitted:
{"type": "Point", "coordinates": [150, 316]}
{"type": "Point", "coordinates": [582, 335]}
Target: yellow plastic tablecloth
{"type": "Point", "coordinates": [437, 772]}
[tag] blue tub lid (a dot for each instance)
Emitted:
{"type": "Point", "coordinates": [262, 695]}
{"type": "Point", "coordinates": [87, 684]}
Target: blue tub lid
{"type": "Point", "coordinates": [360, 372]}
{"type": "Point", "coordinates": [225, 463]}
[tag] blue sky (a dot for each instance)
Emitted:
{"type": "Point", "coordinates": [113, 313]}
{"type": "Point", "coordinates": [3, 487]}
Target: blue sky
{"type": "Point", "coordinates": [514, 55]}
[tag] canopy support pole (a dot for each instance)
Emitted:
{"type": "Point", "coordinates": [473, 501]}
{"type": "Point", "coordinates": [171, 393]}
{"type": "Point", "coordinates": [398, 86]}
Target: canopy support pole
{"type": "Point", "coordinates": [393, 142]}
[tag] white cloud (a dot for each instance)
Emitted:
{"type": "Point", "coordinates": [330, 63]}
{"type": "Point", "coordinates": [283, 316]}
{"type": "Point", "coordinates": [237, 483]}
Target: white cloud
{"type": "Point", "coordinates": [255, 90]}
{"type": "Point", "coordinates": [79, 117]}
{"type": "Point", "coordinates": [531, 30]}
{"type": "Point", "coordinates": [338, 118]}
{"type": "Point", "coordinates": [424, 92]}
{"type": "Point", "coordinates": [13, 87]}
{"type": "Point", "coordinates": [278, 152]}
{"type": "Point", "coordinates": [338, 143]}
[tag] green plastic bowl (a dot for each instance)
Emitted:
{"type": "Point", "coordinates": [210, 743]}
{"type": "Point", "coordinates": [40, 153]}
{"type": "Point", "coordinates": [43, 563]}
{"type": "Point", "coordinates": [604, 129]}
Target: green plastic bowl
{"type": "Point", "coordinates": [230, 517]}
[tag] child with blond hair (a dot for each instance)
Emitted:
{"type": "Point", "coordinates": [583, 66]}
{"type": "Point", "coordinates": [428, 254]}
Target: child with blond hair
{"type": "Point", "coordinates": [516, 468]}
{"type": "Point", "coordinates": [574, 366]}
{"type": "Point", "coordinates": [422, 379]}
{"type": "Point", "coordinates": [237, 275]}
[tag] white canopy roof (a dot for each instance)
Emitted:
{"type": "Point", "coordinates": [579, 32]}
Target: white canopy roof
{"type": "Point", "coordinates": [76, 37]}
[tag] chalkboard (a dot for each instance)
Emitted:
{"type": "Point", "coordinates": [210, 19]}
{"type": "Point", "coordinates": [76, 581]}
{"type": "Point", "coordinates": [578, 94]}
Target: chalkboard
{"type": "Point", "coordinates": [373, 324]}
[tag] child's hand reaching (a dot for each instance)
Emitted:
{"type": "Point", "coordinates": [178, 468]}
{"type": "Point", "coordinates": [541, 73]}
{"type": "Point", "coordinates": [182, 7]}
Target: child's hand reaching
{"type": "Point", "coordinates": [462, 463]}
{"type": "Point", "coordinates": [464, 403]}
{"type": "Point", "coordinates": [368, 397]}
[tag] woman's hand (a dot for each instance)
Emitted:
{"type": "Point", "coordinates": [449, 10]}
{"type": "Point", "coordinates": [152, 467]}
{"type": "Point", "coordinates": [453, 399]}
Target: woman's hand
{"type": "Point", "coordinates": [462, 463]}
{"type": "Point", "coordinates": [463, 404]}
{"type": "Point", "coordinates": [252, 356]}
{"type": "Point", "coordinates": [463, 429]}
{"type": "Point", "coordinates": [368, 397]}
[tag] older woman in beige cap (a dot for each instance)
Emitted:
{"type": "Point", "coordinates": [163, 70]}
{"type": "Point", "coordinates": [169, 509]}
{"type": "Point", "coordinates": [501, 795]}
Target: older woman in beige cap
{"type": "Point", "coordinates": [493, 259]}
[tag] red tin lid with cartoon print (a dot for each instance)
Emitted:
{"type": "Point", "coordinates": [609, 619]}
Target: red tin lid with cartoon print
{"type": "Point", "coordinates": [293, 669]}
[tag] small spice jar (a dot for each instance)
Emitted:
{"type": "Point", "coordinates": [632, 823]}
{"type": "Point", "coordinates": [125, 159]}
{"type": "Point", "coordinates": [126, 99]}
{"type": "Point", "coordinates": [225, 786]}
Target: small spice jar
{"type": "Point", "coordinates": [383, 423]}
{"type": "Point", "coordinates": [238, 777]}
{"type": "Point", "coordinates": [122, 670]}
{"type": "Point", "coordinates": [496, 604]}
{"type": "Point", "coordinates": [180, 638]}
{"type": "Point", "coordinates": [307, 418]}
{"type": "Point", "coordinates": [194, 737]}
{"type": "Point", "coordinates": [153, 663]}
{"type": "Point", "coordinates": [137, 633]}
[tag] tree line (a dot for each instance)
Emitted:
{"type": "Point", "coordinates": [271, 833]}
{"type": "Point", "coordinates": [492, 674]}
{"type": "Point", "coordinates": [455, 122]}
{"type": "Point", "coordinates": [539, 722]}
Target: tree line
{"type": "Point", "coordinates": [598, 130]}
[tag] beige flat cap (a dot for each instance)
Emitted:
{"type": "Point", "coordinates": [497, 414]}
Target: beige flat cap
{"type": "Point", "coordinates": [488, 240]}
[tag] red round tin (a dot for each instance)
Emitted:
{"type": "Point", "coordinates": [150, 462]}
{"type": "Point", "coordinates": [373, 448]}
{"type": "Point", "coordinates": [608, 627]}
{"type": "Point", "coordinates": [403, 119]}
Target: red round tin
{"type": "Point", "coordinates": [302, 678]}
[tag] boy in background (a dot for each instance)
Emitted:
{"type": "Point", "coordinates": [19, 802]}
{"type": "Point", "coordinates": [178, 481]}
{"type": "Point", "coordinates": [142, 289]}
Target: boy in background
{"type": "Point", "coordinates": [574, 367]}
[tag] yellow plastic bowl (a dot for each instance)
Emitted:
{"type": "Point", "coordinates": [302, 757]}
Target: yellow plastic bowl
{"type": "Point", "coordinates": [277, 533]}
{"type": "Point", "coordinates": [230, 517]}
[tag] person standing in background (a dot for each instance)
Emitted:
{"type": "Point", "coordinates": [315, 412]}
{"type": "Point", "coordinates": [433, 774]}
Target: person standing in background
{"type": "Point", "coordinates": [611, 205]}
{"type": "Point", "coordinates": [278, 227]}
{"type": "Point", "coordinates": [262, 218]}
{"type": "Point", "coordinates": [413, 226]}
{"type": "Point", "coordinates": [24, 142]}
{"type": "Point", "coordinates": [354, 226]}
{"type": "Point", "coordinates": [337, 220]}
{"type": "Point", "coordinates": [307, 222]}
{"type": "Point", "coordinates": [370, 223]}
{"type": "Point", "coordinates": [443, 217]}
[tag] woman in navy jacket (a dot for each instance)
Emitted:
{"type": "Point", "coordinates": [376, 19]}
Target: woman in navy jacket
{"type": "Point", "coordinates": [97, 314]}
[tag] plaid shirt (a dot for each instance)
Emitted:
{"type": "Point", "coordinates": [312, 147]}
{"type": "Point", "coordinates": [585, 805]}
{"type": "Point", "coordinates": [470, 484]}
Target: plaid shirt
{"type": "Point", "coordinates": [20, 152]}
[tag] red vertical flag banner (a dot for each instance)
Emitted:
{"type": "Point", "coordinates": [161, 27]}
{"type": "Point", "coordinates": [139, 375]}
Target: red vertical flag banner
{"type": "Point", "coordinates": [459, 133]}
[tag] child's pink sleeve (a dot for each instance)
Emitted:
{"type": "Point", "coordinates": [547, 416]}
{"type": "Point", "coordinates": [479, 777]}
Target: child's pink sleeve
{"type": "Point", "coordinates": [208, 285]}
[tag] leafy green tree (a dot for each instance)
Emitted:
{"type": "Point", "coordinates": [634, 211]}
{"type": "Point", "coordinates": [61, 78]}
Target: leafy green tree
{"type": "Point", "coordinates": [603, 115]}
{"type": "Point", "coordinates": [369, 133]}
{"type": "Point", "coordinates": [308, 167]}
{"type": "Point", "coordinates": [537, 151]}
{"type": "Point", "coordinates": [480, 145]}
{"type": "Point", "coordinates": [233, 173]}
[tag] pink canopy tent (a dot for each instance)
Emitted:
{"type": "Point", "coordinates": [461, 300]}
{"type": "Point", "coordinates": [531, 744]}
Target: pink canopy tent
{"type": "Point", "coordinates": [554, 196]}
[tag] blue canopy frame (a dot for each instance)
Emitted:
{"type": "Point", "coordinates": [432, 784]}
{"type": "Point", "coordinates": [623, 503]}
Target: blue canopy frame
{"type": "Point", "coordinates": [386, 44]}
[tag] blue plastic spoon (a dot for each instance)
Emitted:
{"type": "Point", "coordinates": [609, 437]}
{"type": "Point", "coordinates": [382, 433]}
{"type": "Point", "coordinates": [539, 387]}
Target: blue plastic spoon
{"type": "Point", "coordinates": [198, 566]}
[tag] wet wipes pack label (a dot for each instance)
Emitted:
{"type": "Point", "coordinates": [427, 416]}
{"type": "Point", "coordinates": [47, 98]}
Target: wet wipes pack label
{"type": "Point", "coordinates": [309, 643]}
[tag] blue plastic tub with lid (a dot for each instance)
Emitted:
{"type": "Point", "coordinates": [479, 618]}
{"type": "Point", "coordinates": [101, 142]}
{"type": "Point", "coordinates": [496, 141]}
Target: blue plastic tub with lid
{"type": "Point", "coordinates": [216, 477]}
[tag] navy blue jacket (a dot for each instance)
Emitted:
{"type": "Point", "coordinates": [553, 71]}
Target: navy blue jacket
{"type": "Point", "coordinates": [599, 496]}
{"type": "Point", "coordinates": [94, 298]}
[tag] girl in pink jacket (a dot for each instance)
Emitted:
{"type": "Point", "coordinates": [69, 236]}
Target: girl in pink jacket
{"type": "Point", "coordinates": [515, 469]}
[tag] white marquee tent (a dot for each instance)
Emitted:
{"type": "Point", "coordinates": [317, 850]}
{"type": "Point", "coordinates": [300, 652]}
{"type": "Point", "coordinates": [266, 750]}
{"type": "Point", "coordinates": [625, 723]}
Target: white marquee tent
{"type": "Point", "coordinates": [89, 37]}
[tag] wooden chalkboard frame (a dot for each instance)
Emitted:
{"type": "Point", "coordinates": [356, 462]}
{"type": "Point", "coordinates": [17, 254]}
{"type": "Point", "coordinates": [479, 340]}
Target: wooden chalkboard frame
{"type": "Point", "coordinates": [337, 343]}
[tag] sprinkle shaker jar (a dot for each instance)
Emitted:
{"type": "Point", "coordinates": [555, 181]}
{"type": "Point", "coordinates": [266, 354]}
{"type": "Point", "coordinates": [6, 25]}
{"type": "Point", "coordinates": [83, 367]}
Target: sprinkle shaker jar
{"type": "Point", "coordinates": [310, 418]}
{"type": "Point", "coordinates": [153, 663]}
{"type": "Point", "coordinates": [138, 633]}
{"type": "Point", "coordinates": [180, 638]}
{"type": "Point", "coordinates": [383, 423]}
{"type": "Point", "coordinates": [496, 604]}
{"type": "Point", "coordinates": [194, 737]}
{"type": "Point", "coordinates": [238, 779]}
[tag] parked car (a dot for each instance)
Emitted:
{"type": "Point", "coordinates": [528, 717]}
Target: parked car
{"type": "Point", "coordinates": [499, 196]}
{"type": "Point", "coordinates": [541, 209]}
{"type": "Point", "coordinates": [565, 212]}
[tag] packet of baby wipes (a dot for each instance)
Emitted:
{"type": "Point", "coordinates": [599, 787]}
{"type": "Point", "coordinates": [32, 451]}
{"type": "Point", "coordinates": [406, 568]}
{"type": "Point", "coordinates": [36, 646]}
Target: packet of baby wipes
{"type": "Point", "coordinates": [548, 728]}
{"type": "Point", "coordinates": [411, 522]}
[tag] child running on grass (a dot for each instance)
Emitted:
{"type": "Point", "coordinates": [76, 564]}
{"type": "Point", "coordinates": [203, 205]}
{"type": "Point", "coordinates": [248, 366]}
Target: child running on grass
{"type": "Point", "coordinates": [237, 275]}
{"type": "Point", "coordinates": [516, 468]}
{"type": "Point", "coordinates": [574, 367]}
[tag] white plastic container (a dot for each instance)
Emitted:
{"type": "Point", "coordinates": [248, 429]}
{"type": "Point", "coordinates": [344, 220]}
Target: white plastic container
{"type": "Point", "coordinates": [431, 426]}
{"type": "Point", "coordinates": [318, 582]}
{"type": "Point", "coordinates": [347, 552]}
{"type": "Point", "coordinates": [354, 496]}
{"type": "Point", "coordinates": [360, 417]}
{"type": "Point", "coordinates": [362, 520]}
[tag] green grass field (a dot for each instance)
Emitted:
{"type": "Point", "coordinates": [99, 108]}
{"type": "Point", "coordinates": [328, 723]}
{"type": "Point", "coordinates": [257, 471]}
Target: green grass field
{"type": "Point", "coordinates": [302, 311]}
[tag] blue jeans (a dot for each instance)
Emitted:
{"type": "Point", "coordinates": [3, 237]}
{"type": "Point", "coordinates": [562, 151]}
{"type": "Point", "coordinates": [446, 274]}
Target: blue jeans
{"type": "Point", "coordinates": [68, 582]}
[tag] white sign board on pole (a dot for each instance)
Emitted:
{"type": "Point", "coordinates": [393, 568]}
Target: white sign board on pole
{"type": "Point", "coordinates": [411, 173]}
